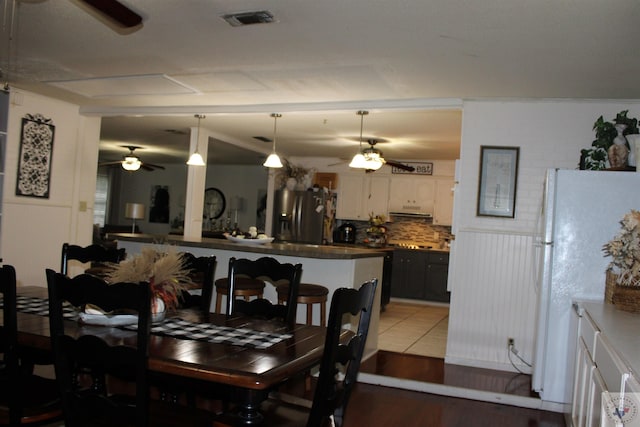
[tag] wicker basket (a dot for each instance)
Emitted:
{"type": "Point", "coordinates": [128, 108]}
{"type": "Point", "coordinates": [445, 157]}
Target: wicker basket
{"type": "Point", "coordinates": [626, 298]}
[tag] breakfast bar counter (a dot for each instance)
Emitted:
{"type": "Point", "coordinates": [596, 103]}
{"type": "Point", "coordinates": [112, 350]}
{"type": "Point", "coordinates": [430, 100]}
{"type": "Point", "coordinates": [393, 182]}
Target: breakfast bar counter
{"type": "Point", "coordinates": [330, 266]}
{"type": "Point", "coordinates": [269, 249]}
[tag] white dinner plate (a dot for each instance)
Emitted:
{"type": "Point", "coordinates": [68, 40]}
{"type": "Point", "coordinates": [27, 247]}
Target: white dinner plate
{"type": "Point", "coordinates": [116, 319]}
{"type": "Point", "coordinates": [249, 241]}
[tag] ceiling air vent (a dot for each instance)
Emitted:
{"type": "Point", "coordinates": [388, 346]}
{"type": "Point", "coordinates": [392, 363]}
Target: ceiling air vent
{"type": "Point", "coordinates": [248, 18]}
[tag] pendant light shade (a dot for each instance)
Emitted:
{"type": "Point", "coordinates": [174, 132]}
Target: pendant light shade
{"type": "Point", "coordinates": [273, 161]}
{"type": "Point", "coordinates": [359, 161]}
{"type": "Point", "coordinates": [196, 159]}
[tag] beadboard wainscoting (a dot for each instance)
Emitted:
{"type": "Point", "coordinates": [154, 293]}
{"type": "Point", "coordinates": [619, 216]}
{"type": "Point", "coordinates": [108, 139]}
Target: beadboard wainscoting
{"type": "Point", "coordinates": [497, 300]}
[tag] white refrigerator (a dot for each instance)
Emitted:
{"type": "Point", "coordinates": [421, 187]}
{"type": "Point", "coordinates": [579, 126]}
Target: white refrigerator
{"type": "Point", "coordinates": [581, 212]}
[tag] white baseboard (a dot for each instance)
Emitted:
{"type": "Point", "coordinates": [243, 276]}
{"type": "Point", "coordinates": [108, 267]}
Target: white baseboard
{"type": "Point", "coordinates": [486, 364]}
{"type": "Point", "coordinates": [462, 393]}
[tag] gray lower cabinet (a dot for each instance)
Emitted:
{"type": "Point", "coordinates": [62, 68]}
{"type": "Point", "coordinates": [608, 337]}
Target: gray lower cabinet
{"type": "Point", "coordinates": [420, 275]}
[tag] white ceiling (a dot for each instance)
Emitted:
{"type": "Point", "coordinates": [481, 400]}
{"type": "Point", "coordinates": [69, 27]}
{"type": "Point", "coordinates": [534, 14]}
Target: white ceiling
{"type": "Point", "coordinates": [409, 62]}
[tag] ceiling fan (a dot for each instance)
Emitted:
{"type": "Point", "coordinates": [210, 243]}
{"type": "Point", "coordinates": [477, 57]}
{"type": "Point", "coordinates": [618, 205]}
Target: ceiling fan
{"type": "Point", "coordinates": [374, 159]}
{"type": "Point", "coordinates": [116, 12]}
{"type": "Point", "coordinates": [371, 159]}
{"type": "Point", "coordinates": [131, 162]}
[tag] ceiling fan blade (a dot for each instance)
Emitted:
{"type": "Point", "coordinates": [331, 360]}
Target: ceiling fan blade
{"type": "Point", "coordinates": [115, 162]}
{"type": "Point", "coordinates": [400, 165]}
{"type": "Point", "coordinates": [150, 167]}
{"type": "Point", "coordinates": [116, 11]}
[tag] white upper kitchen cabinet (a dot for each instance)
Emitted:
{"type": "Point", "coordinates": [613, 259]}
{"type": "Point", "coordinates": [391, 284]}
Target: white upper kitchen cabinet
{"type": "Point", "coordinates": [443, 211]}
{"type": "Point", "coordinates": [414, 194]}
{"type": "Point", "coordinates": [362, 194]}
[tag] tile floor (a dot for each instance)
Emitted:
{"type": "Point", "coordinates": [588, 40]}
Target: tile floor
{"type": "Point", "coordinates": [417, 329]}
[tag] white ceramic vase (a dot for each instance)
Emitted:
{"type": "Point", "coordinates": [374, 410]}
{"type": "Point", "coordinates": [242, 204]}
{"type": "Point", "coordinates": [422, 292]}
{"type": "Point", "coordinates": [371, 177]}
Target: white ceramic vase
{"type": "Point", "coordinates": [291, 183]}
{"type": "Point", "coordinates": [634, 149]}
{"type": "Point", "coordinates": [618, 152]}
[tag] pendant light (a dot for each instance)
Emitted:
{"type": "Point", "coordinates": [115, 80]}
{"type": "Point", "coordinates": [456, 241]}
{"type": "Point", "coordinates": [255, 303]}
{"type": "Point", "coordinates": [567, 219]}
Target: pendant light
{"type": "Point", "coordinates": [359, 161]}
{"type": "Point", "coordinates": [196, 158]}
{"type": "Point", "coordinates": [273, 161]}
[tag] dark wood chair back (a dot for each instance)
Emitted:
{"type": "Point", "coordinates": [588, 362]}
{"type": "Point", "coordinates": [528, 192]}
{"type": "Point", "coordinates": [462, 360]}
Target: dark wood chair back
{"type": "Point", "coordinates": [88, 351]}
{"type": "Point", "coordinates": [26, 399]}
{"type": "Point", "coordinates": [332, 395]}
{"type": "Point", "coordinates": [9, 339]}
{"type": "Point", "coordinates": [92, 253]}
{"type": "Point", "coordinates": [272, 271]}
{"type": "Point", "coordinates": [203, 271]}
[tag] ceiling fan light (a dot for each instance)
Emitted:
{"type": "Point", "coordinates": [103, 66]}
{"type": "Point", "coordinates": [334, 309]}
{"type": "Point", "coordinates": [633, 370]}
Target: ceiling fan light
{"type": "Point", "coordinates": [372, 156]}
{"type": "Point", "coordinates": [131, 163]}
{"type": "Point", "coordinates": [273, 161]}
{"type": "Point", "coordinates": [374, 164]}
{"type": "Point", "coordinates": [358, 162]}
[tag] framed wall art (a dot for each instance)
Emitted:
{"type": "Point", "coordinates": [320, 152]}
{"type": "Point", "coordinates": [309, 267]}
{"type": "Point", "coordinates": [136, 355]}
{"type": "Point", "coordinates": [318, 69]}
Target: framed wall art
{"type": "Point", "coordinates": [498, 181]}
{"type": "Point", "coordinates": [159, 210]}
{"type": "Point", "coordinates": [34, 163]}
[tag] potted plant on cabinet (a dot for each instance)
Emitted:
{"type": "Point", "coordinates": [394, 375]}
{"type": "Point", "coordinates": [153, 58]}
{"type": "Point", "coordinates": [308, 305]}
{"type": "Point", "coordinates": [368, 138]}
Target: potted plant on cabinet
{"type": "Point", "coordinates": [597, 157]}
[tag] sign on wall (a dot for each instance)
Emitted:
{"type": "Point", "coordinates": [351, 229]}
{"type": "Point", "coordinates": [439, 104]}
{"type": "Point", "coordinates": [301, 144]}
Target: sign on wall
{"type": "Point", "coordinates": [421, 168]}
{"type": "Point", "coordinates": [34, 163]}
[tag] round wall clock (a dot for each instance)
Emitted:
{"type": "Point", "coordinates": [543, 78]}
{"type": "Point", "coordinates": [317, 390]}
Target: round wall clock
{"type": "Point", "coordinates": [214, 203]}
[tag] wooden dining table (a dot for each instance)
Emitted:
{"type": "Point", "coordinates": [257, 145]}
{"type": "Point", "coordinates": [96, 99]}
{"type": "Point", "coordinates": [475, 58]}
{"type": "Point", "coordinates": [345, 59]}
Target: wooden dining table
{"type": "Point", "coordinates": [249, 373]}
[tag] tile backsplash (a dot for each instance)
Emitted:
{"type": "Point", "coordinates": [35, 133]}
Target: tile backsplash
{"type": "Point", "coordinates": [417, 231]}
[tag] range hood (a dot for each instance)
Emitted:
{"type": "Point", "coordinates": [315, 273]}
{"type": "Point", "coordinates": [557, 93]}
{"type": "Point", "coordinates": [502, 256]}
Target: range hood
{"type": "Point", "coordinates": [412, 214]}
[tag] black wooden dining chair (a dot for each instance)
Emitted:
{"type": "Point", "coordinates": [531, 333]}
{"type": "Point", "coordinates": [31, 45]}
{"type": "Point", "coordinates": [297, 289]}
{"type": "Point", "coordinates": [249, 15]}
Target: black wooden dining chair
{"type": "Point", "coordinates": [273, 272]}
{"type": "Point", "coordinates": [92, 351]}
{"type": "Point", "coordinates": [202, 274]}
{"type": "Point", "coordinates": [332, 393]}
{"type": "Point", "coordinates": [25, 398]}
{"type": "Point", "coordinates": [202, 271]}
{"type": "Point", "coordinates": [100, 256]}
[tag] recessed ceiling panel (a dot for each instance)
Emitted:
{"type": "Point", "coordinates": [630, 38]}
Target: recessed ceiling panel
{"type": "Point", "coordinates": [157, 84]}
{"type": "Point", "coordinates": [221, 82]}
{"type": "Point", "coordinates": [357, 81]}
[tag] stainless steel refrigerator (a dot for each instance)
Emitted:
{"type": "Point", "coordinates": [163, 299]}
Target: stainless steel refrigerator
{"type": "Point", "coordinates": [582, 211]}
{"type": "Point", "coordinates": [298, 216]}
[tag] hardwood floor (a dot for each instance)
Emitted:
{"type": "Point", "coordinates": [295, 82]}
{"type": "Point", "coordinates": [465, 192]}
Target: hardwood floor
{"type": "Point", "coordinates": [382, 406]}
{"type": "Point", "coordinates": [403, 328]}
{"type": "Point", "coordinates": [434, 370]}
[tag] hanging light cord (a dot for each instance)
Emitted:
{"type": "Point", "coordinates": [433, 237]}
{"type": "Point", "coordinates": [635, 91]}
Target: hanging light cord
{"type": "Point", "coordinates": [275, 124]}
{"type": "Point", "coordinates": [362, 113]}
{"type": "Point", "coordinates": [200, 117]}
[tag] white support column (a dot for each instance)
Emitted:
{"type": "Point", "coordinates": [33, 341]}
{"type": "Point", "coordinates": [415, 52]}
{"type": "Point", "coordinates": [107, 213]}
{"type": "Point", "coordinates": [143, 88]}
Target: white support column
{"type": "Point", "coordinates": [196, 180]}
{"type": "Point", "coordinates": [271, 188]}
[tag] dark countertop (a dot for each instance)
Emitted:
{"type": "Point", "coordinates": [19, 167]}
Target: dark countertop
{"type": "Point", "coordinates": [289, 249]}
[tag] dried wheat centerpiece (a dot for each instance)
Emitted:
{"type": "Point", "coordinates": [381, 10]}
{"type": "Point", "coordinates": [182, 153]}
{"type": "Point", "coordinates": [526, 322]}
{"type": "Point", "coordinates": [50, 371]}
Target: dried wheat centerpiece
{"type": "Point", "coordinates": [623, 273]}
{"type": "Point", "coordinates": [163, 270]}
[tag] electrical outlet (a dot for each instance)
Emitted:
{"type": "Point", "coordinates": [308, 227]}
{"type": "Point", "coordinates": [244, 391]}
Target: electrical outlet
{"type": "Point", "coordinates": [510, 342]}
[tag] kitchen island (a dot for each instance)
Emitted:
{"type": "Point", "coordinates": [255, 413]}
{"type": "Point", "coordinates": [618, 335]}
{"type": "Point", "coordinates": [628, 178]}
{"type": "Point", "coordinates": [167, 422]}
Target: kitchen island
{"type": "Point", "coordinates": [330, 266]}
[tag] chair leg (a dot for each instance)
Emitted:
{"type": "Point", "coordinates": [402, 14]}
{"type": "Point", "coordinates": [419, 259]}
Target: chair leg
{"type": "Point", "coordinates": [323, 314]}
{"type": "Point", "coordinates": [309, 314]}
{"type": "Point", "coordinates": [218, 302]}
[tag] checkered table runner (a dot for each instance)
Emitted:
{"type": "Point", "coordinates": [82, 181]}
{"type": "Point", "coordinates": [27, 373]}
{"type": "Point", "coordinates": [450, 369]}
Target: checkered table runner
{"type": "Point", "coordinates": [178, 328]}
{"type": "Point", "coordinates": [173, 327]}
{"type": "Point", "coordinates": [40, 307]}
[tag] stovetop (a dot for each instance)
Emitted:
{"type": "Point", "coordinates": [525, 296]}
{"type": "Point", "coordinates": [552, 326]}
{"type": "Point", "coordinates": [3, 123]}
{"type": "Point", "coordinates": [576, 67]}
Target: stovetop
{"type": "Point", "coordinates": [408, 245]}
